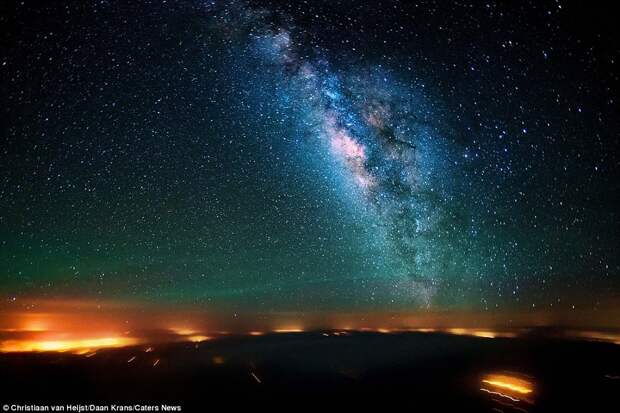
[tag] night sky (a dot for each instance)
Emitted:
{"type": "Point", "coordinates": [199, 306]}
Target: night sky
{"type": "Point", "coordinates": [311, 156]}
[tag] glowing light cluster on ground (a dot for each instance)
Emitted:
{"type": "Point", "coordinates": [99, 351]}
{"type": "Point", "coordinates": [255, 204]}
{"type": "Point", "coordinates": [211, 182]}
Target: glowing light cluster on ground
{"type": "Point", "coordinates": [511, 387]}
{"type": "Point", "coordinates": [85, 326]}
{"type": "Point", "coordinates": [77, 346]}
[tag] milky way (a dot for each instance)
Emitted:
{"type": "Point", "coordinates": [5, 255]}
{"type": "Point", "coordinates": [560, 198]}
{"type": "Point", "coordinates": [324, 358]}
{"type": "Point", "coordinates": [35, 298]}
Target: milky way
{"type": "Point", "coordinates": [379, 163]}
{"type": "Point", "coordinates": [371, 126]}
{"type": "Point", "coordinates": [327, 155]}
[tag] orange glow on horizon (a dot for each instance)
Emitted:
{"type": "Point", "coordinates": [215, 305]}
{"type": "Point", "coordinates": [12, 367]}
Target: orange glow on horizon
{"type": "Point", "coordinates": [291, 329]}
{"type": "Point", "coordinates": [198, 338]}
{"type": "Point", "coordinates": [76, 346]}
{"type": "Point", "coordinates": [83, 326]}
{"type": "Point", "coordinates": [478, 333]}
{"type": "Point", "coordinates": [182, 331]}
{"type": "Point", "coordinates": [35, 326]}
{"type": "Point", "coordinates": [598, 336]}
{"type": "Point", "coordinates": [423, 330]}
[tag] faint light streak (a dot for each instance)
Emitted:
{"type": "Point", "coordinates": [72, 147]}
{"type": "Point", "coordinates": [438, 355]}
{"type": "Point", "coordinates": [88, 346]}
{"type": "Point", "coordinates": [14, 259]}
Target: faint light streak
{"type": "Point", "coordinates": [256, 333]}
{"type": "Point", "coordinates": [255, 377]}
{"type": "Point", "coordinates": [514, 399]}
{"type": "Point", "coordinates": [156, 362]}
{"type": "Point", "coordinates": [131, 359]}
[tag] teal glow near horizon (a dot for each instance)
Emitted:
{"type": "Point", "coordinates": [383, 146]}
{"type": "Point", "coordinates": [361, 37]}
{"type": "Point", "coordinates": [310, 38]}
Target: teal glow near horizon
{"type": "Point", "coordinates": [264, 157]}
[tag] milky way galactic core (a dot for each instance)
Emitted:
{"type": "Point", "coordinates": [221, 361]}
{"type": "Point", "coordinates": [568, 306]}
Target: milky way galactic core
{"type": "Point", "coordinates": [310, 156]}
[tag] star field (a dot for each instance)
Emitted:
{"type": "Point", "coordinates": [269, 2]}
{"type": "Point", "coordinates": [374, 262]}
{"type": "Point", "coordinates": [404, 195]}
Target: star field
{"type": "Point", "coordinates": [310, 155]}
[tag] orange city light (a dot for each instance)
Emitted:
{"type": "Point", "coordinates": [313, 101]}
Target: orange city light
{"type": "Point", "coordinates": [181, 331]}
{"type": "Point", "coordinates": [198, 338]}
{"type": "Point", "coordinates": [289, 330]}
{"type": "Point", "coordinates": [511, 387]}
{"type": "Point", "coordinates": [78, 346]}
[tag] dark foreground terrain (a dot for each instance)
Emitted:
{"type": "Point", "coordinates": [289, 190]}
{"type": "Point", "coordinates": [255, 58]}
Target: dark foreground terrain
{"type": "Point", "coordinates": [409, 371]}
